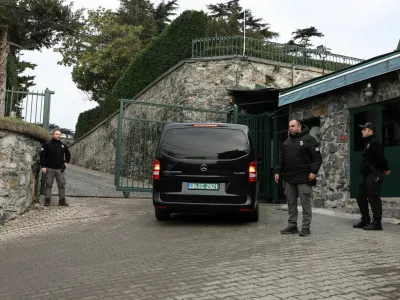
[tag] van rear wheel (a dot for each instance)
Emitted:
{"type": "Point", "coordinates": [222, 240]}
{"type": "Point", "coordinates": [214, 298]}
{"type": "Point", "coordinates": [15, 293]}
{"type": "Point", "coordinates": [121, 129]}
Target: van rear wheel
{"type": "Point", "coordinates": [253, 216]}
{"type": "Point", "coordinates": [162, 214]}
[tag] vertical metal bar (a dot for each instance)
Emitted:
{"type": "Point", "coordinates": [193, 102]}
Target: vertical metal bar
{"type": "Point", "coordinates": [41, 108]}
{"type": "Point", "coordinates": [6, 104]}
{"type": "Point", "coordinates": [12, 98]}
{"type": "Point", "coordinates": [267, 155]}
{"type": "Point", "coordinates": [27, 98]}
{"type": "Point", "coordinates": [145, 151]}
{"type": "Point", "coordinates": [119, 137]}
{"type": "Point", "coordinates": [275, 158]}
{"type": "Point", "coordinates": [128, 155]}
{"type": "Point", "coordinates": [37, 97]}
{"type": "Point", "coordinates": [235, 114]}
{"type": "Point", "coordinates": [46, 113]}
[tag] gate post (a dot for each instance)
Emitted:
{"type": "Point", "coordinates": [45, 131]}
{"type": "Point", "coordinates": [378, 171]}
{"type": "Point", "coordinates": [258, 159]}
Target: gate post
{"type": "Point", "coordinates": [235, 114]}
{"type": "Point", "coordinates": [46, 108]}
{"type": "Point", "coordinates": [119, 145]}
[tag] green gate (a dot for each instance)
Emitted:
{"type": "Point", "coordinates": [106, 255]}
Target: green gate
{"type": "Point", "coordinates": [268, 132]}
{"type": "Point", "coordinates": [139, 129]}
{"type": "Point", "coordinates": [141, 123]}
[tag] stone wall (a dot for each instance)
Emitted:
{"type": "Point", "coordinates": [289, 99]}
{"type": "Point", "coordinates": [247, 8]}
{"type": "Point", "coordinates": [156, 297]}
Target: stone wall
{"type": "Point", "coordinates": [333, 190]}
{"type": "Point", "coordinates": [19, 169]}
{"type": "Point", "coordinates": [195, 83]}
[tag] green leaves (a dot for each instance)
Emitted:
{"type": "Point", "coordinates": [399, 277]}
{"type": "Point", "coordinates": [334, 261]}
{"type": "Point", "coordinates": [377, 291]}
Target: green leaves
{"type": "Point", "coordinates": [100, 52]}
{"type": "Point", "coordinates": [227, 19]}
{"type": "Point", "coordinates": [164, 51]}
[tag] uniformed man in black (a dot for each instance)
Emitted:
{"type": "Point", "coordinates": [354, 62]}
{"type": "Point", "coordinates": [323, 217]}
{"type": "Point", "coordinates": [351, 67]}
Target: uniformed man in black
{"type": "Point", "coordinates": [373, 167]}
{"type": "Point", "coordinates": [299, 161]}
{"type": "Point", "coordinates": [54, 158]}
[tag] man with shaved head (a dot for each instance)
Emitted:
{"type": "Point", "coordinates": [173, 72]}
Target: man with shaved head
{"type": "Point", "coordinates": [299, 162]}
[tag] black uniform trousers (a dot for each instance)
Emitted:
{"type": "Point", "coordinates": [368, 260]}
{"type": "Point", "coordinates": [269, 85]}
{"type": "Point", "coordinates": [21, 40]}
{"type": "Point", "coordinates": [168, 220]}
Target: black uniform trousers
{"type": "Point", "coordinates": [369, 191]}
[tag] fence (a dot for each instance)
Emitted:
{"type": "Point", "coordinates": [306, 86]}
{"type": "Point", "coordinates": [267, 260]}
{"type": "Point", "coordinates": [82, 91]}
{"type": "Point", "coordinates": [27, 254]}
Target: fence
{"type": "Point", "coordinates": [284, 53]}
{"type": "Point", "coordinates": [32, 107]}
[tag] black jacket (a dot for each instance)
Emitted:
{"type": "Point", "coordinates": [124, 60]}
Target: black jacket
{"type": "Point", "coordinates": [299, 157]}
{"type": "Point", "coordinates": [373, 157]}
{"type": "Point", "coordinates": [54, 154]}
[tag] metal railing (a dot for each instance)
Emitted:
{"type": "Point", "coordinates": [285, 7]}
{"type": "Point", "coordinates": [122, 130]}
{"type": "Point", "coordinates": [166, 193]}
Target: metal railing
{"type": "Point", "coordinates": [32, 107]}
{"type": "Point", "coordinates": [284, 53]}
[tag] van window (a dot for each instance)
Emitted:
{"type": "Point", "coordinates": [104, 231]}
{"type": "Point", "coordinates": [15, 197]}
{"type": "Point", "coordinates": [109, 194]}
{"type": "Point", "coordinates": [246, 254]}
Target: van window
{"type": "Point", "coordinates": [205, 143]}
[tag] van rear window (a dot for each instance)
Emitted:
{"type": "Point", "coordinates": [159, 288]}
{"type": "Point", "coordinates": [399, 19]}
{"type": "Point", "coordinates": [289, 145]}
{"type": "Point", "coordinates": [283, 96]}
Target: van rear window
{"type": "Point", "coordinates": [205, 143]}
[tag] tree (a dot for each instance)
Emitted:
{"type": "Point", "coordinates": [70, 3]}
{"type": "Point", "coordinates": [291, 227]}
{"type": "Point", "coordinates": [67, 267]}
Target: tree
{"type": "Point", "coordinates": [139, 13]}
{"type": "Point", "coordinates": [142, 13]}
{"type": "Point", "coordinates": [100, 51]}
{"type": "Point", "coordinates": [301, 37]}
{"type": "Point", "coordinates": [163, 12]}
{"type": "Point", "coordinates": [32, 25]}
{"type": "Point", "coordinates": [227, 19]}
{"type": "Point", "coordinates": [15, 68]}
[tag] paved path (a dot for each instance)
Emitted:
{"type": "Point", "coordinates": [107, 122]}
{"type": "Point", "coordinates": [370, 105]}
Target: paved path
{"type": "Point", "coordinates": [115, 249]}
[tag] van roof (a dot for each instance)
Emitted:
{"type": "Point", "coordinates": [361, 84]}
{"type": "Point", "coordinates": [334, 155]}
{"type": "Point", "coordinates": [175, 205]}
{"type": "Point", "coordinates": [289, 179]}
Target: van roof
{"type": "Point", "coordinates": [224, 125]}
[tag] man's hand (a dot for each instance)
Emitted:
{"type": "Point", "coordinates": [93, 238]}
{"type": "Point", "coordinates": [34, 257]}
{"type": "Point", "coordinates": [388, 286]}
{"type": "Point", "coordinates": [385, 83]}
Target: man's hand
{"type": "Point", "coordinates": [312, 176]}
{"type": "Point", "coordinates": [387, 172]}
{"type": "Point", "coordinates": [276, 178]}
{"type": "Point", "coordinates": [44, 170]}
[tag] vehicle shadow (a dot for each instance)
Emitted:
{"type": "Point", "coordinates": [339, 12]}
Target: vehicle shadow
{"type": "Point", "coordinates": [205, 219]}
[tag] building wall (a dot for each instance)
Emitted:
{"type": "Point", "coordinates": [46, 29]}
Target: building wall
{"type": "Point", "coordinates": [197, 83]}
{"type": "Point", "coordinates": [333, 186]}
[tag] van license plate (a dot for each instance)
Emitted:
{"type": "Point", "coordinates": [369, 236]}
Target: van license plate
{"type": "Point", "coordinates": [204, 186]}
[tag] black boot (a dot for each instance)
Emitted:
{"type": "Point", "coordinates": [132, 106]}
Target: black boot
{"type": "Point", "coordinates": [290, 230]}
{"type": "Point", "coordinates": [62, 202]}
{"type": "Point", "coordinates": [364, 222]}
{"type": "Point", "coordinates": [305, 232]}
{"type": "Point", "coordinates": [47, 201]}
{"type": "Point", "coordinates": [375, 225]}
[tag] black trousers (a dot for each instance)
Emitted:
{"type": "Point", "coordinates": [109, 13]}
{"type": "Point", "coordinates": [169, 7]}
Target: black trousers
{"type": "Point", "coordinates": [370, 190]}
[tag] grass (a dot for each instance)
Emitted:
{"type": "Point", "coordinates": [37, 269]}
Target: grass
{"type": "Point", "coordinates": [19, 126]}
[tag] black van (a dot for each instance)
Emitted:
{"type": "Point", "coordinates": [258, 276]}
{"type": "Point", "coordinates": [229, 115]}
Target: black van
{"type": "Point", "coordinates": [207, 168]}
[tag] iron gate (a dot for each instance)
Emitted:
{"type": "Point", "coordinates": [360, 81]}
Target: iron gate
{"type": "Point", "coordinates": [268, 132]}
{"type": "Point", "coordinates": [139, 129]}
{"type": "Point", "coordinates": [260, 130]}
{"type": "Point", "coordinates": [141, 123]}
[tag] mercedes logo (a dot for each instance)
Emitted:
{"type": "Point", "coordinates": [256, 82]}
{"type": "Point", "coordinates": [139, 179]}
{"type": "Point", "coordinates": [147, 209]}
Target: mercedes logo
{"type": "Point", "coordinates": [203, 167]}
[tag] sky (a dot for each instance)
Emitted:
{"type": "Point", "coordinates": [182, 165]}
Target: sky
{"type": "Point", "coordinates": [356, 28]}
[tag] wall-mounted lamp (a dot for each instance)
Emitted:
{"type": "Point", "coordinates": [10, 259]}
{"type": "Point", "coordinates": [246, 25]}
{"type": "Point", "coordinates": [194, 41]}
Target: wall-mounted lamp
{"type": "Point", "coordinates": [369, 91]}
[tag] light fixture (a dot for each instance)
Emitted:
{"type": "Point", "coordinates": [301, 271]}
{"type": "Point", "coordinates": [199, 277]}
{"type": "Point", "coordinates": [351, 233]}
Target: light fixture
{"type": "Point", "coordinates": [369, 91]}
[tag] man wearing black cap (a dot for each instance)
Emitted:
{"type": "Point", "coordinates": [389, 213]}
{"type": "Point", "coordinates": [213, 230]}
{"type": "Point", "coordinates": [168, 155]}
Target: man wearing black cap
{"type": "Point", "coordinates": [373, 167]}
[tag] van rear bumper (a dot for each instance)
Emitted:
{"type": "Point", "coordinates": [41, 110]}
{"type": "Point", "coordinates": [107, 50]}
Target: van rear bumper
{"type": "Point", "coordinates": [176, 207]}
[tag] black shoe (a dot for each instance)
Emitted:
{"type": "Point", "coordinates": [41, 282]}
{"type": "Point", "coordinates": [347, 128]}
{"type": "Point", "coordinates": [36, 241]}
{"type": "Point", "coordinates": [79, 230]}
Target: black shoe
{"type": "Point", "coordinates": [47, 201]}
{"type": "Point", "coordinates": [361, 224]}
{"type": "Point", "coordinates": [290, 230]}
{"type": "Point", "coordinates": [373, 226]}
{"type": "Point", "coordinates": [62, 203]}
{"type": "Point", "coordinates": [305, 232]}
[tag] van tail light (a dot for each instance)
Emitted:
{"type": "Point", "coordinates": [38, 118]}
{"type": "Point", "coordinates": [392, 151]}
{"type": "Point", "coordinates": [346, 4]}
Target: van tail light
{"type": "Point", "coordinates": [156, 170]}
{"type": "Point", "coordinates": [253, 172]}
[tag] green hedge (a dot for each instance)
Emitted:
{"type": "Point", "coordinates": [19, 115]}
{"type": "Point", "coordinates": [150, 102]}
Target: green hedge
{"type": "Point", "coordinates": [88, 120]}
{"type": "Point", "coordinates": [165, 51]}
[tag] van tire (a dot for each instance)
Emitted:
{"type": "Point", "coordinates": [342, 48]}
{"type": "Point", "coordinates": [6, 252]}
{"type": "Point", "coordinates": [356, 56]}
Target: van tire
{"type": "Point", "coordinates": [162, 214]}
{"type": "Point", "coordinates": [254, 215]}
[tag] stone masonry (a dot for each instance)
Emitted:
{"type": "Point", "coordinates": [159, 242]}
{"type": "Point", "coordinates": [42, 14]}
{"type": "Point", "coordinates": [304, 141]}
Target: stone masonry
{"type": "Point", "coordinates": [19, 169]}
{"type": "Point", "coordinates": [333, 189]}
{"type": "Point", "coordinates": [194, 83]}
